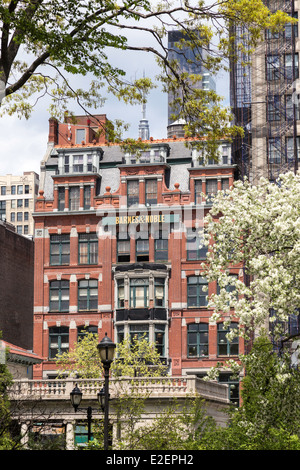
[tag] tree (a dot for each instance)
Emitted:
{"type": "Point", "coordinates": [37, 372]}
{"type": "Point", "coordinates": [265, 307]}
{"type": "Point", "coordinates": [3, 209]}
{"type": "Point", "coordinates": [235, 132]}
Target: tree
{"type": "Point", "coordinates": [256, 229]}
{"type": "Point", "coordinates": [44, 44]}
{"type": "Point", "coordinates": [269, 416]}
{"type": "Point", "coordinates": [6, 440]}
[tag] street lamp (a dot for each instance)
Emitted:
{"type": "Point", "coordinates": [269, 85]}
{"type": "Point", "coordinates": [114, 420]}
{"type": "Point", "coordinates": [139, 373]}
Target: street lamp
{"type": "Point", "coordinates": [76, 397]}
{"type": "Point", "coordinates": [106, 349]}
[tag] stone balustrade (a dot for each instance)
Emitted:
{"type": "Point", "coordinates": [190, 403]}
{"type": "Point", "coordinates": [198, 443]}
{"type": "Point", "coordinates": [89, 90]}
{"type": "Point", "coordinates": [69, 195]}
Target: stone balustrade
{"type": "Point", "coordinates": [153, 387]}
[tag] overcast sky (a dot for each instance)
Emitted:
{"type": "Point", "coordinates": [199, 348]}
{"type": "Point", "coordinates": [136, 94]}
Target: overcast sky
{"type": "Point", "coordinates": [23, 142]}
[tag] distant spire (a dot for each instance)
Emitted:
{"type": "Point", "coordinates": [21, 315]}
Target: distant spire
{"type": "Point", "coordinates": [144, 131]}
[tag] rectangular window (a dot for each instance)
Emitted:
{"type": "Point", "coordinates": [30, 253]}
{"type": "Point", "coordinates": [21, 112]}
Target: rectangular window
{"type": "Point", "coordinates": [123, 248]}
{"type": "Point", "coordinates": [67, 164]}
{"type": "Point", "coordinates": [78, 163]}
{"type": "Point", "coordinates": [26, 189]}
{"type": "Point", "coordinates": [87, 197]}
{"type": "Point", "coordinates": [13, 203]}
{"type": "Point", "coordinates": [3, 190]}
{"type": "Point", "coordinates": [88, 294]}
{"type": "Point", "coordinates": [2, 210]}
{"type": "Point", "coordinates": [161, 249]}
{"type": "Point", "coordinates": [61, 198]}
{"type": "Point", "coordinates": [82, 331]}
{"type": "Point", "coordinates": [288, 27]}
{"type": "Point", "coordinates": [20, 189]}
{"type": "Point", "coordinates": [13, 189]}
{"type": "Point", "coordinates": [59, 296]}
{"type": "Point", "coordinates": [273, 67]}
{"type": "Point", "coordinates": [26, 202]}
{"type": "Point", "coordinates": [121, 293]}
{"type": "Point", "coordinates": [159, 338]}
{"type": "Point", "coordinates": [88, 248]}
{"type": "Point", "coordinates": [225, 184]}
{"type": "Point", "coordinates": [233, 387]}
{"type": "Point", "coordinates": [142, 250]}
{"type": "Point", "coordinates": [19, 216]}
{"type": "Point", "coordinates": [19, 229]}
{"type": "Point", "coordinates": [195, 247]}
{"type": "Point", "coordinates": [197, 291]}
{"type": "Point", "coordinates": [211, 189]}
{"type": "Point", "coordinates": [138, 332]}
{"type": "Point", "coordinates": [226, 347]}
{"type": "Point", "coordinates": [274, 150]}
{"type": "Point", "coordinates": [289, 66]}
{"type": "Point", "coordinates": [12, 217]}
{"type": "Point", "coordinates": [290, 149]}
{"type": "Point", "coordinates": [273, 108]}
{"type": "Point", "coordinates": [74, 198]}
{"type": "Point", "coordinates": [198, 191]}
{"type": "Point", "coordinates": [26, 216]}
{"type": "Point", "coordinates": [290, 100]}
{"type": "Point", "coordinates": [58, 340]}
{"type": "Point", "coordinates": [59, 249]}
{"type": "Point", "coordinates": [26, 229]}
{"type": "Point", "coordinates": [197, 339]}
{"type": "Point", "coordinates": [132, 192]}
{"type": "Point", "coordinates": [19, 202]}
{"type": "Point", "coordinates": [139, 293]}
{"type": "Point", "coordinates": [80, 136]}
{"type": "Point", "coordinates": [159, 292]}
{"type": "Point", "coordinates": [151, 192]}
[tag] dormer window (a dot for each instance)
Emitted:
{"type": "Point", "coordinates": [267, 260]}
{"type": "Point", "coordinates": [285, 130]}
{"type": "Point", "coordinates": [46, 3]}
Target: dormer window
{"type": "Point", "coordinates": [80, 136]}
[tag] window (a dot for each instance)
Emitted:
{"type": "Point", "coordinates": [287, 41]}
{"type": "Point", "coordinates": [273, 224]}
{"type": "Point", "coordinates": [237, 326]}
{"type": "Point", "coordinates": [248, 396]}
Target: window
{"type": "Point", "coordinates": [13, 203]}
{"type": "Point", "coordinates": [225, 184]}
{"type": "Point", "coordinates": [211, 189]}
{"type": "Point", "coordinates": [159, 339]}
{"type": "Point", "coordinates": [19, 216]}
{"type": "Point", "coordinates": [151, 192]}
{"type": "Point", "coordinates": [139, 293]}
{"type": "Point", "coordinates": [121, 293]}
{"type": "Point", "coordinates": [19, 229]}
{"type": "Point", "coordinates": [226, 347]}
{"type": "Point", "coordinates": [87, 197]}
{"type": "Point", "coordinates": [230, 288]}
{"type": "Point", "coordinates": [123, 248]}
{"type": "Point", "coordinates": [26, 202]}
{"type": "Point", "coordinates": [88, 294]}
{"type": "Point", "coordinates": [132, 192]}
{"type": "Point", "coordinates": [12, 217]}
{"type": "Point", "coordinates": [289, 66]}
{"type": "Point", "coordinates": [198, 191]}
{"type": "Point", "coordinates": [59, 249]}
{"type": "Point", "coordinates": [273, 67]}
{"type": "Point", "coordinates": [196, 291]}
{"type": "Point", "coordinates": [161, 249]}
{"type": "Point", "coordinates": [142, 250]}
{"type": "Point", "coordinates": [13, 189]}
{"type": "Point", "coordinates": [197, 340]}
{"type": "Point", "coordinates": [159, 292]}
{"type": "Point", "coordinates": [82, 331]}
{"type": "Point", "coordinates": [20, 189]}
{"type": "Point", "coordinates": [26, 189]}
{"type": "Point", "coordinates": [67, 163]}
{"type": "Point", "coordinates": [26, 216]}
{"type": "Point", "coordinates": [61, 198]}
{"type": "Point", "coordinates": [194, 246]}
{"type": "Point", "coordinates": [26, 229]}
{"type": "Point", "coordinates": [3, 190]}
{"type": "Point", "coordinates": [88, 248]}
{"type": "Point", "coordinates": [289, 107]}
{"type": "Point", "coordinates": [20, 203]}
{"type": "Point", "coordinates": [273, 108]}
{"type": "Point", "coordinates": [288, 27]}
{"type": "Point", "coordinates": [80, 136]}
{"type": "Point", "coordinates": [58, 340]}
{"type": "Point", "coordinates": [78, 163]}
{"type": "Point", "coordinates": [290, 148]}
{"type": "Point", "coordinates": [59, 296]}
{"type": "Point", "coordinates": [2, 210]}
{"type": "Point", "coordinates": [74, 198]}
{"type": "Point", "coordinates": [274, 150]}
{"type": "Point", "coordinates": [138, 332]}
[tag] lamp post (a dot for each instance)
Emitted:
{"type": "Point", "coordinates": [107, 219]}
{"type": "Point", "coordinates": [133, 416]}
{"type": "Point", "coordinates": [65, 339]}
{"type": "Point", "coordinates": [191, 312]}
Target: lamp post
{"type": "Point", "coordinates": [106, 349]}
{"type": "Point", "coordinates": [76, 397]}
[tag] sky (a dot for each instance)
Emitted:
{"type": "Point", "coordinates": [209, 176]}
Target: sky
{"type": "Point", "coordinates": [23, 143]}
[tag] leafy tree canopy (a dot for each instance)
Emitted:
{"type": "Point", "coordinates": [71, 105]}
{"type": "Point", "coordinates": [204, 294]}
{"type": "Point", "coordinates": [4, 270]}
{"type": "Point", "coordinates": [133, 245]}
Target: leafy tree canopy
{"type": "Point", "coordinates": [46, 42]}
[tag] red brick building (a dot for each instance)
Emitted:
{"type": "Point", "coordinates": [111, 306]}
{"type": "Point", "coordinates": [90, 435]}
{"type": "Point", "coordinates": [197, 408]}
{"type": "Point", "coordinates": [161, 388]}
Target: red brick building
{"type": "Point", "coordinates": [118, 247]}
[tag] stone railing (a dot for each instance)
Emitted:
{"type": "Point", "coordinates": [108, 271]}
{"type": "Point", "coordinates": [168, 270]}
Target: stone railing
{"type": "Point", "coordinates": [152, 387]}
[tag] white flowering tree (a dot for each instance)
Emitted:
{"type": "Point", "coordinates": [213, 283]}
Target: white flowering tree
{"type": "Point", "coordinates": [255, 229]}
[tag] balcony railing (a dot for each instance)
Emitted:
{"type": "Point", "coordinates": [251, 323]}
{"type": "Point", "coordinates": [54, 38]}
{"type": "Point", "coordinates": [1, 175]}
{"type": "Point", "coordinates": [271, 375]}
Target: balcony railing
{"type": "Point", "coordinates": [152, 387]}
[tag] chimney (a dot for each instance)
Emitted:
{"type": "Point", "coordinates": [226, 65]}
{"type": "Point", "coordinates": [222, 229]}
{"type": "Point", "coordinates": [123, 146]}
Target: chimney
{"type": "Point", "coordinates": [53, 131]}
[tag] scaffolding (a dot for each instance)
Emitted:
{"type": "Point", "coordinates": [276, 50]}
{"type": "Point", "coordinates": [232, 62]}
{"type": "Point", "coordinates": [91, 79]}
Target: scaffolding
{"type": "Point", "coordinates": [264, 101]}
